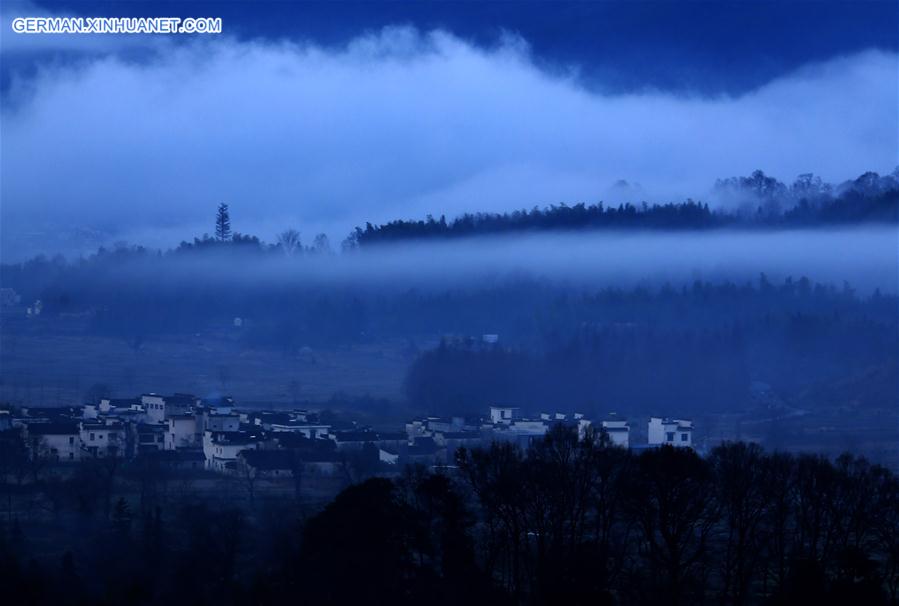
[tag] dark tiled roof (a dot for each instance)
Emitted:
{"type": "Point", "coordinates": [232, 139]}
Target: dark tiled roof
{"type": "Point", "coordinates": [289, 439]}
{"type": "Point", "coordinates": [422, 451]}
{"type": "Point", "coordinates": [235, 437]}
{"type": "Point", "coordinates": [52, 429]}
{"type": "Point", "coordinates": [461, 435]}
{"type": "Point", "coordinates": [268, 460]}
{"type": "Point", "coordinates": [280, 418]}
{"type": "Point", "coordinates": [423, 447]}
{"type": "Point", "coordinates": [392, 435]}
{"type": "Point", "coordinates": [356, 436]}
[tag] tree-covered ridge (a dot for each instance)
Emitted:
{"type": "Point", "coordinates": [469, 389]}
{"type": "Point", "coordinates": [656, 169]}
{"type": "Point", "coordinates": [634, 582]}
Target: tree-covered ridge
{"type": "Point", "coordinates": [755, 201]}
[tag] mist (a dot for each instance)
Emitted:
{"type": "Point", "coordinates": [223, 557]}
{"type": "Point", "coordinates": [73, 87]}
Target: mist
{"type": "Point", "coordinates": [398, 122]}
{"type": "Point", "coordinates": [864, 257]}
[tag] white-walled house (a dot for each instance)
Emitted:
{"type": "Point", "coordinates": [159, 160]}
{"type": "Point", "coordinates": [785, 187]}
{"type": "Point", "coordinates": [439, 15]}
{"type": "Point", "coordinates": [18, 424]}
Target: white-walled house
{"type": "Point", "coordinates": [674, 432]}
{"type": "Point", "coordinates": [417, 428]}
{"type": "Point", "coordinates": [159, 408]}
{"type": "Point", "coordinates": [182, 432]}
{"type": "Point", "coordinates": [155, 407]}
{"type": "Point", "coordinates": [226, 422]}
{"type": "Point", "coordinates": [102, 439]}
{"type": "Point", "coordinates": [150, 437]}
{"type": "Point", "coordinates": [117, 407]}
{"type": "Point", "coordinates": [521, 431]}
{"type": "Point", "coordinates": [619, 432]}
{"type": "Point", "coordinates": [504, 414]}
{"type": "Point", "coordinates": [221, 448]}
{"type": "Point", "coordinates": [56, 441]}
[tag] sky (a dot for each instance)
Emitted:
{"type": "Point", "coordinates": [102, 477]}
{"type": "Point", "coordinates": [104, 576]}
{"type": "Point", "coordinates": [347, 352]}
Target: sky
{"type": "Point", "coordinates": [324, 115]}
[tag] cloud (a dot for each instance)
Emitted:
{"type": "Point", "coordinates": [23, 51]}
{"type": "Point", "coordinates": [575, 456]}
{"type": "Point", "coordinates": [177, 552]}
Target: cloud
{"type": "Point", "coordinates": [397, 123]}
{"type": "Point", "coordinates": [864, 257]}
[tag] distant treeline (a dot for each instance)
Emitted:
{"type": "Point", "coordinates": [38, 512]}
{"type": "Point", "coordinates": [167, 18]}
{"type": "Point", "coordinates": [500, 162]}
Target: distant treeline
{"type": "Point", "coordinates": [682, 350]}
{"type": "Point", "coordinates": [636, 368]}
{"type": "Point", "coordinates": [675, 351]}
{"type": "Point", "coordinates": [757, 201]}
{"type": "Point", "coordinates": [566, 521]}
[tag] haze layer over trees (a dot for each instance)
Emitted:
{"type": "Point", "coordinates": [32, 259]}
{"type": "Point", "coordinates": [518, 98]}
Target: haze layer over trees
{"type": "Point", "coordinates": [679, 319]}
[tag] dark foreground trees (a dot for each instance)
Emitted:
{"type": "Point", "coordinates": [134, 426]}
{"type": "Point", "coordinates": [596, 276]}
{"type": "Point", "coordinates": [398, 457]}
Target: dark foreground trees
{"type": "Point", "coordinates": [565, 521]}
{"type": "Point", "coordinates": [586, 523]}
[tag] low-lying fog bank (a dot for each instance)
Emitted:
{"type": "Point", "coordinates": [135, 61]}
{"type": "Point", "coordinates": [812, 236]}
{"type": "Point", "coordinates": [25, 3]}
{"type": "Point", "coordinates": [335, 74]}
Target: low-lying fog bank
{"type": "Point", "coordinates": [866, 258]}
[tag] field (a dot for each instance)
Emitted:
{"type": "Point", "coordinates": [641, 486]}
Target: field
{"type": "Point", "coordinates": [51, 362]}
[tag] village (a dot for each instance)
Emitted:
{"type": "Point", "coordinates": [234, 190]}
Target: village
{"type": "Point", "coordinates": [190, 433]}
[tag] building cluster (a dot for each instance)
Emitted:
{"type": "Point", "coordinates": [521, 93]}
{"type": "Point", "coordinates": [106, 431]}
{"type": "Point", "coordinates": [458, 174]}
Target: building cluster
{"type": "Point", "coordinates": [506, 423]}
{"type": "Point", "coordinates": [192, 433]}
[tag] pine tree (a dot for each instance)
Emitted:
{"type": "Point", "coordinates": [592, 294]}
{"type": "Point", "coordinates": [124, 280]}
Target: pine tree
{"type": "Point", "coordinates": [223, 223]}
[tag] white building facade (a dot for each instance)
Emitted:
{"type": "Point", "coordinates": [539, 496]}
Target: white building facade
{"type": "Point", "coordinates": [619, 433]}
{"type": "Point", "coordinates": [673, 432]}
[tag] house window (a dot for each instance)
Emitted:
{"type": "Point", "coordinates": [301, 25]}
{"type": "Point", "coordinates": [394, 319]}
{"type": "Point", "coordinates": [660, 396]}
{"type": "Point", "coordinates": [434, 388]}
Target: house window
{"type": "Point", "coordinates": [683, 437]}
{"type": "Point", "coordinates": [71, 455]}
{"type": "Point", "coordinates": [92, 437]}
{"type": "Point", "coordinates": [669, 436]}
{"type": "Point", "coordinates": [71, 440]}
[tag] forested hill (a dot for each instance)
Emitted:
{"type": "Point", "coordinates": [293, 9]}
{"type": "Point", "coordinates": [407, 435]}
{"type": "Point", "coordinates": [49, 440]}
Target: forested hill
{"type": "Point", "coordinates": [757, 201]}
